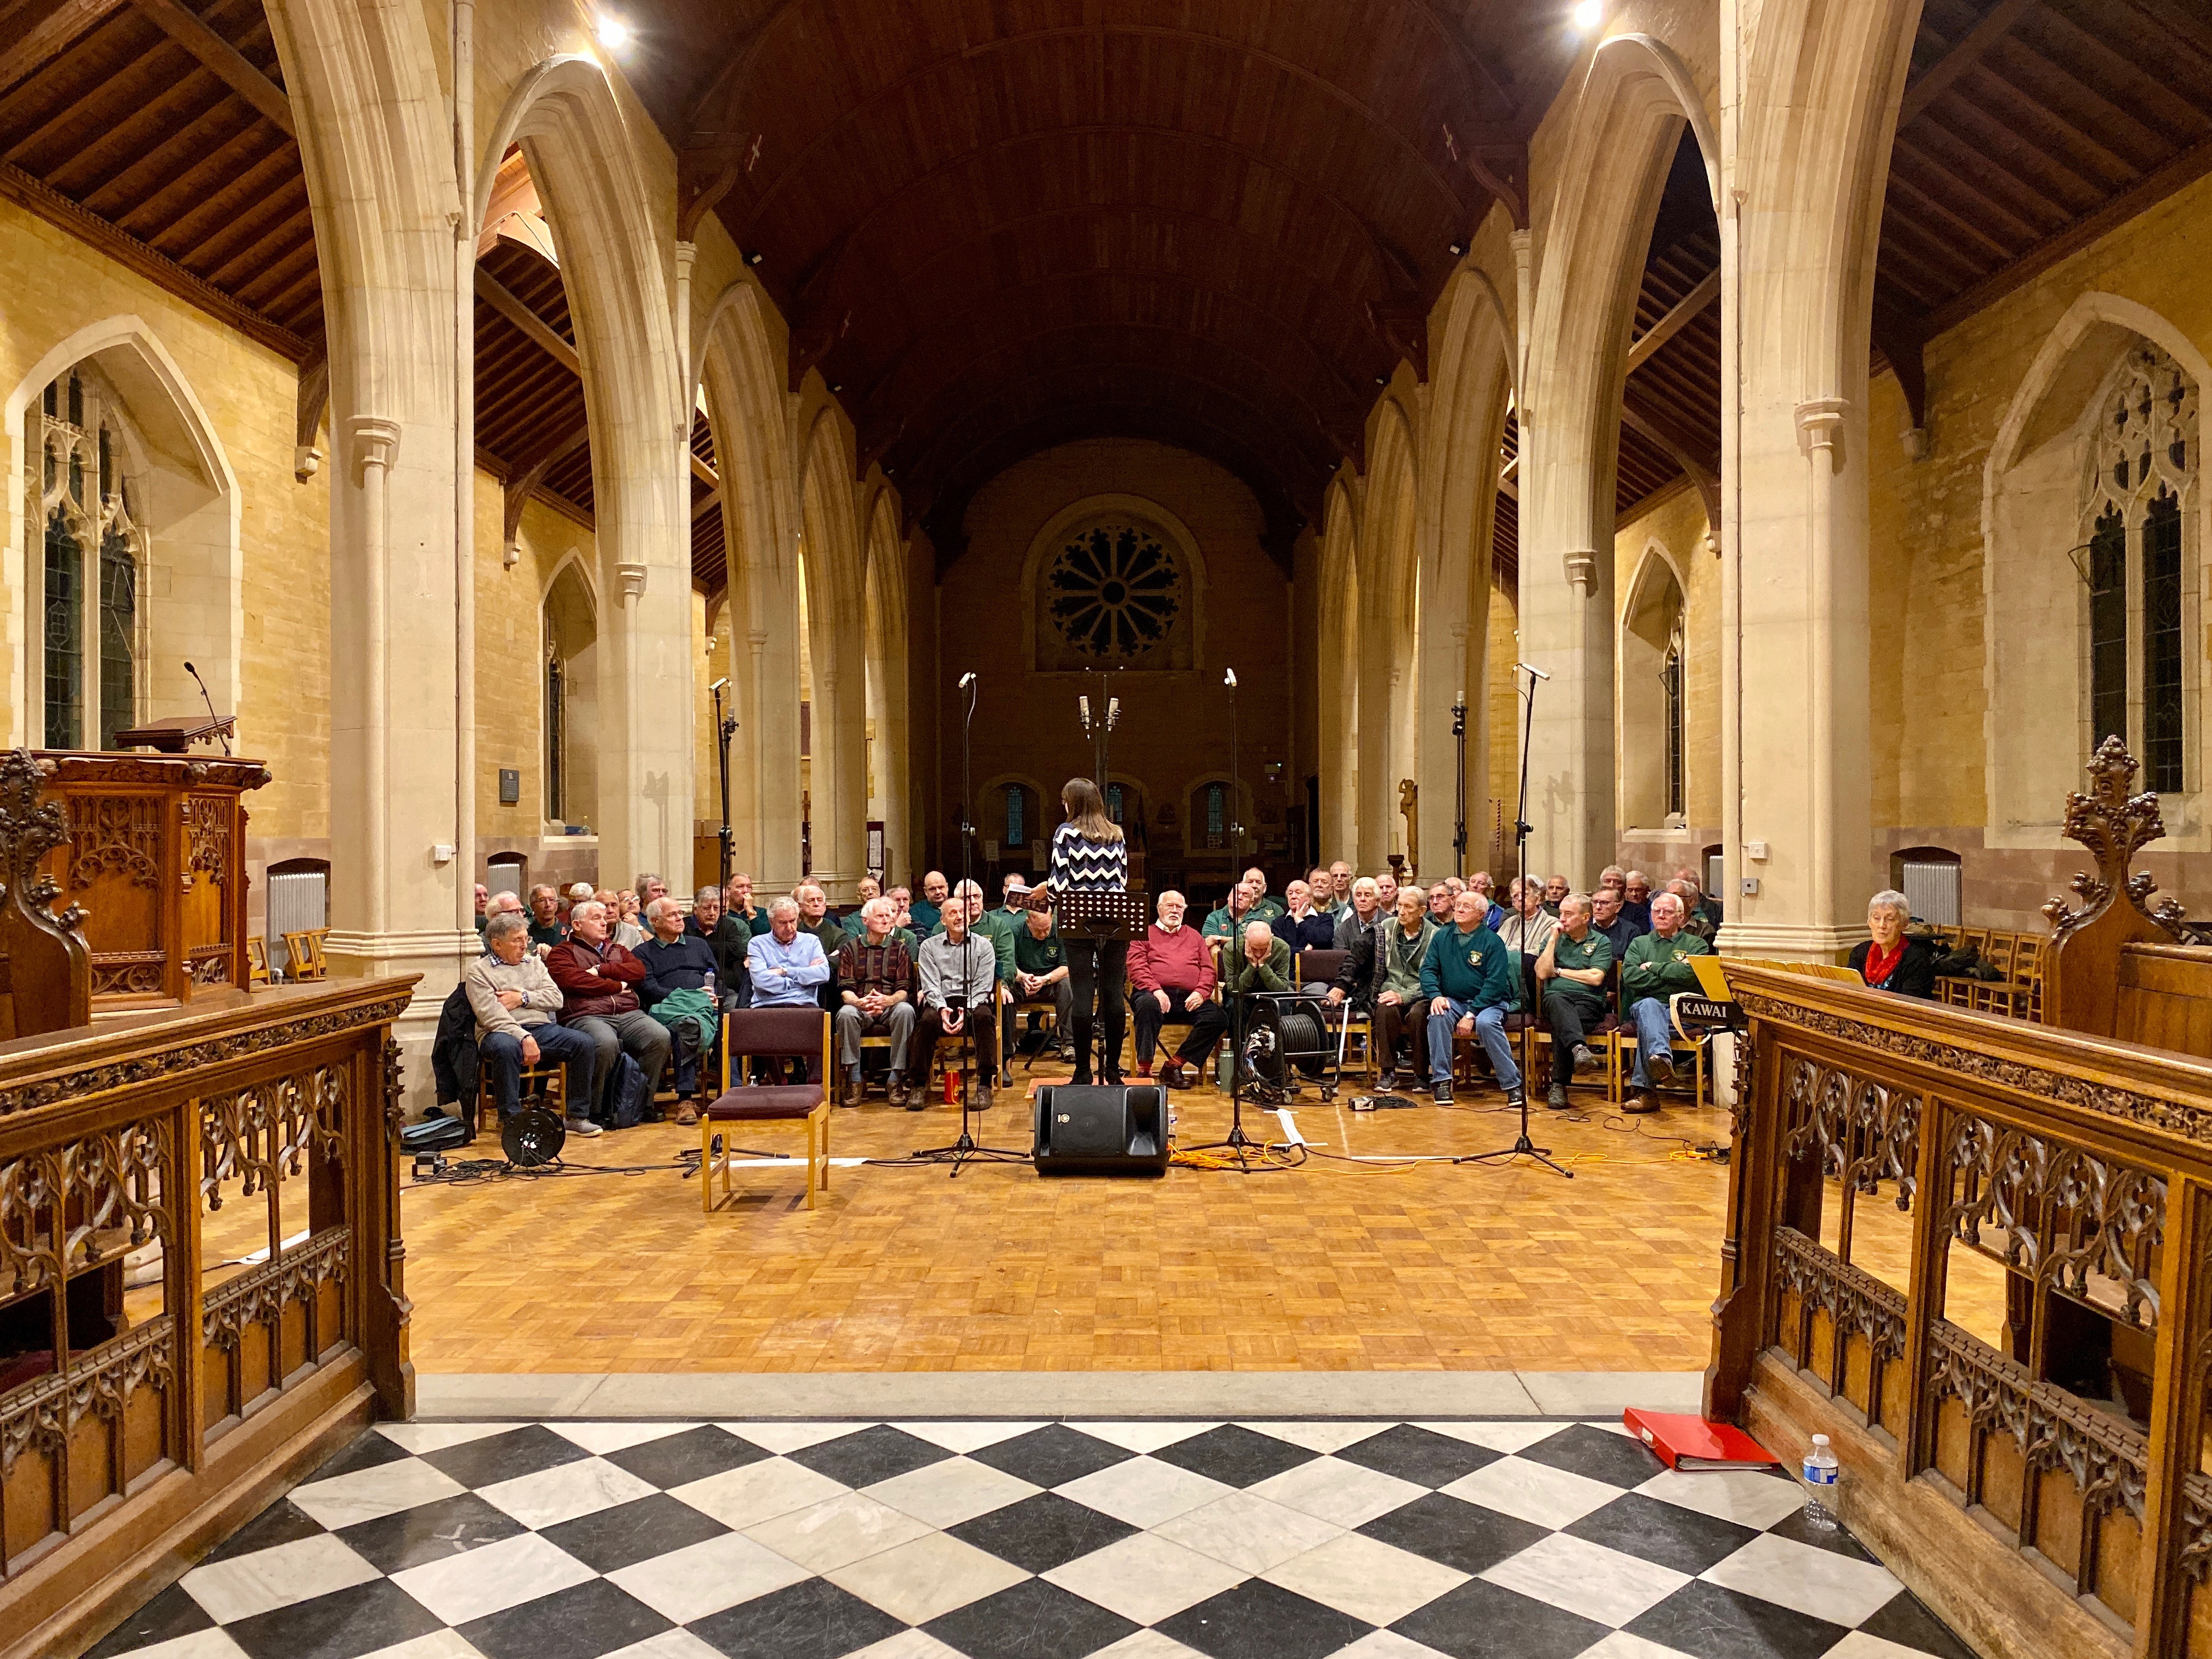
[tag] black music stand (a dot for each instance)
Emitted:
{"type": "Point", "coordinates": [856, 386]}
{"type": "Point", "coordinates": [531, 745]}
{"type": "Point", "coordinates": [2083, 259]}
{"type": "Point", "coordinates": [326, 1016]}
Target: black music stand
{"type": "Point", "coordinates": [1099, 916]}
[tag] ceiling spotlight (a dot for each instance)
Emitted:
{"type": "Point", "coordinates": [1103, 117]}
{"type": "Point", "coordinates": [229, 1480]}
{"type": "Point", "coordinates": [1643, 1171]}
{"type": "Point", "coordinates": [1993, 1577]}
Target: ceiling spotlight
{"type": "Point", "coordinates": [1458, 249]}
{"type": "Point", "coordinates": [614, 33]}
{"type": "Point", "coordinates": [836, 386]}
{"type": "Point", "coordinates": [1589, 14]}
{"type": "Point", "coordinates": [1382, 379]}
{"type": "Point", "coordinates": [754, 257]}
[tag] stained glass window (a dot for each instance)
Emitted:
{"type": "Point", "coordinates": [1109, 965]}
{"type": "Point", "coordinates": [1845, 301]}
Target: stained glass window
{"type": "Point", "coordinates": [63, 636]}
{"type": "Point", "coordinates": [1017, 817]}
{"type": "Point", "coordinates": [2108, 628]}
{"type": "Point", "coordinates": [119, 637]}
{"type": "Point", "coordinates": [1671, 674]}
{"type": "Point", "coordinates": [2161, 589]}
{"type": "Point", "coordinates": [1216, 814]}
{"type": "Point", "coordinates": [1114, 802]}
{"type": "Point", "coordinates": [557, 721]}
{"type": "Point", "coordinates": [91, 569]}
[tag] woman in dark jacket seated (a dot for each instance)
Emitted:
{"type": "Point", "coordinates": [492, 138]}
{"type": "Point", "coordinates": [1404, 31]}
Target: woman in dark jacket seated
{"type": "Point", "coordinates": [1889, 961]}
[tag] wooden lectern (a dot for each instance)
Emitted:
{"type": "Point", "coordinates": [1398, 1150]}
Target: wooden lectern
{"type": "Point", "coordinates": [156, 861]}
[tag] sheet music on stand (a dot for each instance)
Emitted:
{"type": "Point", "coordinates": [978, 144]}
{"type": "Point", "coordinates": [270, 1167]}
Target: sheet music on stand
{"type": "Point", "coordinates": [1104, 913]}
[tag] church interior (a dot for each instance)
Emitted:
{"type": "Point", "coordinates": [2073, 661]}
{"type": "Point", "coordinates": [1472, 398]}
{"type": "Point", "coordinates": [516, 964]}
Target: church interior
{"type": "Point", "coordinates": [1551, 655]}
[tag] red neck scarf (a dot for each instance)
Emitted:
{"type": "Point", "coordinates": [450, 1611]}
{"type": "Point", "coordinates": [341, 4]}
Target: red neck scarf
{"type": "Point", "coordinates": [1881, 963]}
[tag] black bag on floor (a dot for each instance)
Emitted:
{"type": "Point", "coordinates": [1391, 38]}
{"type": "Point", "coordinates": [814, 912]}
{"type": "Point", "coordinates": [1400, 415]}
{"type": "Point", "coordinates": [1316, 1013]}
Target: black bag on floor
{"type": "Point", "coordinates": [629, 1092]}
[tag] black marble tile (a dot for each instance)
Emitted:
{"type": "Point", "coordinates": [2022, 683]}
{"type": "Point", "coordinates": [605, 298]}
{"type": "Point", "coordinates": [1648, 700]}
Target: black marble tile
{"type": "Point", "coordinates": [610, 1539]}
{"type": "Point", "coordinates": [1260, 1620]}
{"type": "Point", "coordinates": [429, 1532]}
{"type": "Point", "coordinates": [283, 1523]}
{"type": "Point", "coordinates": [812, 1620]}
{"type": "Point", "coordinates": [1041, 1533]}
{"type": "Point", "coordinates": [505, 1456]}
{"type": "Point", "coordinates": [1455, 1531]}
{"type": "Point", "coordinates": [1665, 1533]}
{"type": "Point", "coordinates": [1030, 1621]}
{"type": "Point", "coordinates": [581, 1622]}
{"type": "Point", "coordinates": [1420, 1456]}
{"type": "Point", "coordinates": [1598, 1452]}
{"type": "Point", "coordinates": [1714, 1622]}
{"type": "Point", "coordinates": [1908, 1623]}
{"type": "Point", "coordinates": [343, 1624]}
{"type": "Point", "coordinates": [1482, 1620]}
{"type": "Point", "coordinates": [1051, 1455]}
{"type": "Point", "coordinates": [367, 1452]}
{"type": "Point", "coordinates": [1235, 1455]}
{"type": "Point", "coordinates": [169, 1615]}
{"type": "Point", "coordinates": [675, 1459]}
{"type": "Point", "coordinates": [872, 1454]}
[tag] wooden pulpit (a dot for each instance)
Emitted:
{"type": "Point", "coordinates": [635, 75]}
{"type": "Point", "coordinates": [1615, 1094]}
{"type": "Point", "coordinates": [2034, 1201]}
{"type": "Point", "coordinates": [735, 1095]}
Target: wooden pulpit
{"type": "Point", "coordinates": [156, 858]}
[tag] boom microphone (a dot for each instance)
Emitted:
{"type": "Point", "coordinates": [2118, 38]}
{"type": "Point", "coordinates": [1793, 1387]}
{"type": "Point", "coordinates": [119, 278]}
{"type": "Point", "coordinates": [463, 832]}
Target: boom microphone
{"type": "Point", "coordinates": [967, 680]}
{"type": "Point", "coordinates": [1531, 668]}
{"type": "Point", "coordinates": [209, 701]}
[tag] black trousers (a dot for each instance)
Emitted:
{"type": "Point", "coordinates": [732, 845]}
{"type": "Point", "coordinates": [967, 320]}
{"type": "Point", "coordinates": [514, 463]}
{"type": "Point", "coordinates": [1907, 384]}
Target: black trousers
{"type": "Point", "coordinates": [1570, 1017]}
{"type": "Point", "coordinates": [1098, 970]}
{"type": "Point", "coordinates": [1207, 1025]}
{"type": "Point", "coordinates": [1402, 1027]}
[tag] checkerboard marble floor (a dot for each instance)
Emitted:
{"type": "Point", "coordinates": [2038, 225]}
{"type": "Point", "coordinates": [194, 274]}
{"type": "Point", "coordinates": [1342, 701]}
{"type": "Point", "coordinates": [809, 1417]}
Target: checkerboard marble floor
{"type": "Point", "coordinates": [1519, 1539]}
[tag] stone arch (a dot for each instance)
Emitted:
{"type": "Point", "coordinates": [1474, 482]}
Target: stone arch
{"type": "Point", "coordinates": [1043, 817]}
{"type": "Point", "coordinates": [741, 370]}
{"type": "Point", "coordinates": [1046, 544]}
{"type": "Point", "coordinates": [585, 164]}
{"type": "Point", "coordinates": [830, 558]}
{"type": "Point", "coordinates": [1653, 620]}
{"type": "Point", "coordinates": [190, 518]}
{"type": "Point", "coordinates": [1388, 614]}
{"type": "Point", "coordinates": [884, 634]}
{"type": "Point", "coordinates": [1625, 130]}
{"type": "Point", "coordinates": [1338, 612]}
{"type": "Point", "coordinates": [2035, 609]}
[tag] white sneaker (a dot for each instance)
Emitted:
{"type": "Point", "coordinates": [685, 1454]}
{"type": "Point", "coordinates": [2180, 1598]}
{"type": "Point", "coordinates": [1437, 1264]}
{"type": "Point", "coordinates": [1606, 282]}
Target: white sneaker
{"type": "Point", "coordinates": [584, 1126]}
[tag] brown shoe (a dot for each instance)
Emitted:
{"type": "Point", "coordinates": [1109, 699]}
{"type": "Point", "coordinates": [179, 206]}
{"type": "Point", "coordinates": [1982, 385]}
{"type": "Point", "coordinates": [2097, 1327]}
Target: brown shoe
{"type": "Point", "coordinates": [1172, 1075]}
{"type": "Point", "coordinates": [1644, 1102]}
{"type": "Point", "coordinates": [687, 1114]}
{"type": "Point", "coordinates": [848, 1092]}
{"type": "Point", "coordinates": [982, 1101]}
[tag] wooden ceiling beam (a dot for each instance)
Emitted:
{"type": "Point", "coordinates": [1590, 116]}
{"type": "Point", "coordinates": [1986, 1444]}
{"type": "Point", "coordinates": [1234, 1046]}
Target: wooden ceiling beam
{"type": "Point", "coordinates": [502, 299]}
{"type": "Point", "coordinates": [226, 61]}
{"type": "Point", "coordinates": [1692, 305]}
{"type": "Point", "coordinates": [44, 39]}
{"type": "Point", "coordinates": [521, 485]}
{"type": "Point", "coordinates": [1969, 50]}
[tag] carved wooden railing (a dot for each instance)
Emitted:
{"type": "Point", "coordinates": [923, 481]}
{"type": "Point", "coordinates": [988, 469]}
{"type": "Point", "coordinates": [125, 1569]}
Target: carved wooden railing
{"type": "Point", "coordinates": [149, 1403]}
{"type": "Point", "coordinates": [1979, 1255]}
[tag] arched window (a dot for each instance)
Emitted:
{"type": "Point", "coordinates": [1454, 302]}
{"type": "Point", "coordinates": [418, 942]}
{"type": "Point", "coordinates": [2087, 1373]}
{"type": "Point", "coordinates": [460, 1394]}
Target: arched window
{"type": "Point", "coordinates": [1654, 699]}
{"type": "Point", "coordinates": [1114, 799]}
{"type": "Point", "coordinates": [556, 737]}
{"type": "Point", "coordinates": [2143, 461]}
{"type": "Point", "coordinates": [1017, 817]}
{"type": "Point", "coordinates": [570, 718]}
{"type": "Point", "coordinates": [1216, 815]}
{"type": "Point", "coordinates": [89, 639]}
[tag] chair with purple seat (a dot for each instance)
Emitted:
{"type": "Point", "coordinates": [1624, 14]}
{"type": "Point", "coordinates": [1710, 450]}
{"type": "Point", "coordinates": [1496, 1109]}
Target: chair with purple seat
{"type": "Point", "coordinates": [769, 1034]}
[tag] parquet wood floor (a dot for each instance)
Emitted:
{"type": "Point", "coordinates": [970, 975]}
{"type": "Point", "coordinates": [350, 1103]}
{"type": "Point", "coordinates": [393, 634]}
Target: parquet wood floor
{"type": "Point", "coordinates": [1336, 1266]}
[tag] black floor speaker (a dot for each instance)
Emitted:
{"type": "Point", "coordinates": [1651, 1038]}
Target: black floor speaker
{"type": "Point", "coordinates": [1098, 1130]}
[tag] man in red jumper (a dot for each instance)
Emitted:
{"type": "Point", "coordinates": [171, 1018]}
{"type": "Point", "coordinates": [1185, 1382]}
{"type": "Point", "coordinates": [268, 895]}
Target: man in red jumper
{"type": "Point", "coordinates": [595, 976]}
{"type": "Point", "coordinates": [1171, 980]}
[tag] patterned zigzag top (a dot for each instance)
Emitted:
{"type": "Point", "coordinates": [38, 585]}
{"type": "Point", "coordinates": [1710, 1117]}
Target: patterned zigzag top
{"type": "Point", "coordinates": [1082, 866]}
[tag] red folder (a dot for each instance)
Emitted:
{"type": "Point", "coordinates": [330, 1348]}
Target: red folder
{"type": "Point", "coordinates": [1689, 1443]}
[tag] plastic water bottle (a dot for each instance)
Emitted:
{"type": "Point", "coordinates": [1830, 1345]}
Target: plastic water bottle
{"type": "Point", "coordinates": [1821, 1471]}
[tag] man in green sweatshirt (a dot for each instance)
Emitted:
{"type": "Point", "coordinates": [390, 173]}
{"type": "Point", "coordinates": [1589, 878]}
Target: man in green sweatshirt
{"type": "Point", "coordinates": [1472, 981]}
{"type": "Point", "coordinates": [1657, 965]}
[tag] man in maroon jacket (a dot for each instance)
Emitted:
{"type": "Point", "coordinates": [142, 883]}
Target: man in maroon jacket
{"type": "Point", "coordinates": [595, 976]}
{"type": "Point", "coordinates": [1171, 979]}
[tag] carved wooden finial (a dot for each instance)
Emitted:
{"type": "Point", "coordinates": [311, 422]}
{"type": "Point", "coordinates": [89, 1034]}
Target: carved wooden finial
{"type": "Point", "coordinates": [2114, 825]}
{"type": "Point", "coordinates": [50, 968]}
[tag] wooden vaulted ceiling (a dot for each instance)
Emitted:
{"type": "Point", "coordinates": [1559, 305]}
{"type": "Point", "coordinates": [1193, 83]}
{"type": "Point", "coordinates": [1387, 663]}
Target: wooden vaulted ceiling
{"type": "Point", "coordinates": [993, 228]}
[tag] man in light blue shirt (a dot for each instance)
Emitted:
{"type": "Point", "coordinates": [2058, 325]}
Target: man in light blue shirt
{"type": "Point", "coordinates": [786, 967]}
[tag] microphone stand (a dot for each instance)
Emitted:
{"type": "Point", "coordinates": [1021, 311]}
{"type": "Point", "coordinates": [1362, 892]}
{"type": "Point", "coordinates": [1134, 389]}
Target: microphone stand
{"type": "Point", "coordinates": [1459, 827]}
{"type": "Point", "coordinates": [1235, 793]}
{"type": "Point", "coordinates": [1523, 1146]}
{"type": "Point", "coordinates": [726, 727]}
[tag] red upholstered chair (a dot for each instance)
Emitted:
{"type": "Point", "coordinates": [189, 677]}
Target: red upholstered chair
{"type": "Point", "coordinates": [768, 1033]}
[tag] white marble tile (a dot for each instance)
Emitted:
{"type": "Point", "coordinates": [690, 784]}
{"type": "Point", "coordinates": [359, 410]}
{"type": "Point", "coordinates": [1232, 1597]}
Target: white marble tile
{"type": "Point", "coordinates": [420, 1437]}
{"type": "Point", "coordinates": [1365, 1578]}
{"type": "Point", "coordinates": [945, 1494]}
{"type": "Point", "coordinates": [964, 1436]}
{"type": "Point", "coordinates": [1621, 1645]}
{"type": "Point", "coordinates": [438, 1644]}
{"type": "Point", "coordinates": [837, 1530]}
{"type": "Point", "coordinates": [366, 1494]}
{"type": "Point", "coordinates": [745, 1497]}
{"type": "Point", "coordinates": [1743, 1496]}
{"type": "Point", "coordinates": [1508, 1435]}
{"type": "Point", "coordinates": [1813, 1581]}
{"type": "Point", "coordinates": [1145, 1577]}
{"type": "Point", "coordinates": [1319, 1437]}
{"type": "Point", "coordinates": [566, 1492]}
{"type": "Point", "coordinates": [1142, 1644]}
{"type": "Point", "coordinates": [906, 1644]}
{"type": "Point", "coordinates": [929, 1577]}
{"type": "Point", "coordinates": [200, 1644]}
{"type": "Point", "coordinates": [246, 1585]}
{"type": "Point", "coordinates": [1534, 1492]}
{"type": "Point", "coordinates": [1856, 1645]}
{"type": "Point", "coordinates": [1587, 1578]}
{"type": "Point", "coordinates": [707, 1576]}
{"type": "Point", "coordinates": [1143, 1492]}
{"type": "Point", "coordinates": [600, 1439]}
{"type": "Point", "coordinates": [784, 1438]}
{"type": "Point", "coordinates": [459, 1587]}
{"type": "Point", "coordinates": [1343, 1493]}
{"type": "Point", "coordinates": [1144, 1436]}
{"type": "Point", "coordinates": [669, 1644]}
{"type": "Point", "coordinates": [1389, 1645]}
{"type": "Point", "coordinates": [1250, 1533]}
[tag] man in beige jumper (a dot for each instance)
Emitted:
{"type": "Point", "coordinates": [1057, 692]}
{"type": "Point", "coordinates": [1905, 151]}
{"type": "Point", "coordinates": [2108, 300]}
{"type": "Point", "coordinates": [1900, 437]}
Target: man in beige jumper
{"type": "Point", "coordinates": [515, 1000]}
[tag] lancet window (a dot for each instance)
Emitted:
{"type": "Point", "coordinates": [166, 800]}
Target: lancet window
{"type": "Point", "coordinates": [89, 556]}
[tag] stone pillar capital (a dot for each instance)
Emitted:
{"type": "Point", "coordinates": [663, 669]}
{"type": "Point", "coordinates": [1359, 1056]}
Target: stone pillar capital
{"type": "Point", "coordinates": [1581, 571]}
{"type": "Point", "coordinates": [630, 579]}
{"type": "Point", "coordinates": [686, 252]}
{"type": "Point", "coordinates": [1820, 425]}
{"type": "Point", "coordinates": [375, 439]}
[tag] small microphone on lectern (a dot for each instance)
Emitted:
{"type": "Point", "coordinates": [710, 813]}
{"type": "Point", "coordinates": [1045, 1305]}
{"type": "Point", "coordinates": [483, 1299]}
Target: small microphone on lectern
{"type": "Point", "coordinates": [1531, 668]}
{"type": "Point", "coordinates": [209, 701]}
{"type": "Point", "coordinates": [1229, 679]}
{"type": "Point", "coordinates": [967, 680]}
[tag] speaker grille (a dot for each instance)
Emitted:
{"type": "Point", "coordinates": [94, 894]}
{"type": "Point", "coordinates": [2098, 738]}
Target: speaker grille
{"type": "Point", "coordinates": [1090, 1119]}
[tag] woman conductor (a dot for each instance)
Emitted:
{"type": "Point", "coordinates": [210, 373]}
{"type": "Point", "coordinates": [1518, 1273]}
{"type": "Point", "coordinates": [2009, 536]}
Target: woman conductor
{"type": "Point", "coordinates": [1088, 856]}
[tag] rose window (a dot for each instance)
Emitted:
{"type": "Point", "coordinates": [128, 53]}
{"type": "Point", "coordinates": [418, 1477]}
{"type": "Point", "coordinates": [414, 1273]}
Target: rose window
{"type": "Point", "coordinates": [1114, 591]}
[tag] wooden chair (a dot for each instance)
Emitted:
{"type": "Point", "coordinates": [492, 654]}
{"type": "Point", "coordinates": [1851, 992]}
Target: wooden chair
{"type": "Point", "coordinates": [547, 1083]}
{"type": "Point", "coordinates": [776, 1034]}
{"type": "Point", "coordinates": [257, 961]}
{"type": "Point", "coordinates": [306, 950]}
